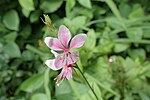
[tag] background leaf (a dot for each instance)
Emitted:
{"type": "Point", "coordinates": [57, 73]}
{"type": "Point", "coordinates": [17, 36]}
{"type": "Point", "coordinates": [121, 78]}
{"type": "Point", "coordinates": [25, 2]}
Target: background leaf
{"type": "Point", "coordinates": [69, 5]}
{"type": "Point", "coordinates": [119, 47]}
{"type": "Point", "coordinates": [12, 50]}
{"type": "Point", "coordinates": [10, 37]}
{"type": "Point", "coordinates": [114, 58]}
{"type": "Point", "coordinates": [135, 33]}
{"type": "Point", "coordinates": [50, 6]}
{"type": "Point", "coordinates": [11, 20]}
{"type": "Point", "coordinates": [39, 96]}
{"type": "Point", "coordinates": [91, 40]}
{"type": "Point", "coordinates": [33, 83]}
{"type": "Point", "coordinates": [85, 3]}
{"type": "Point", "coordinates": [27, 4]}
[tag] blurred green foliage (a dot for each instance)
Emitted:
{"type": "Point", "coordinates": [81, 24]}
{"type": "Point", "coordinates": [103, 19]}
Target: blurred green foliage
{"type": "Point", "coordinates": [115, 58]}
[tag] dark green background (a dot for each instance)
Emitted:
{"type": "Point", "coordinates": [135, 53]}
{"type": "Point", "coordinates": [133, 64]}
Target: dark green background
{"type": "Point", "coordinates": [116, 29]}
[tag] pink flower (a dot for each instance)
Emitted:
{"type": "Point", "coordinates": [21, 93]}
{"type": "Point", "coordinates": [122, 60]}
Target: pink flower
{"type": "Point", "coordinates": [66, 72]}
{"type": "Point", "coordinates": [65, 43]}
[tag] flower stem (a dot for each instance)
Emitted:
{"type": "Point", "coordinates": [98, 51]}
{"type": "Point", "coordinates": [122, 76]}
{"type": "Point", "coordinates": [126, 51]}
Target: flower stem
{"type": "Point", "coordinates": [87, 82]}
{"type": "Point", "coordinates": [46, 83]}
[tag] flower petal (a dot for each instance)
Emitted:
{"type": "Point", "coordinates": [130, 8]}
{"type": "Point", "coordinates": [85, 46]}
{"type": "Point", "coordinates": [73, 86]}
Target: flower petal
{"type": "Point", "coordinates": [72, 57]}
{"type": "Point", "coordinates": [55, 53]}
{"type": "Point", "coordinates": [50, 64]}
{"type": "Point", "coordinates": [53, 43]}
{"type": "Point", "coordinates": [64, 35]}
{"type": "Point", "coordinates": [60, 61]}
{"type": "Point", "coordinates": [78, 40]}
{"type": "Point", "coordinates": [69, 73]}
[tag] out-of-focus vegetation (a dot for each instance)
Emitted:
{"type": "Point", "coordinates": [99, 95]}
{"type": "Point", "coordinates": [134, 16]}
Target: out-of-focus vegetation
{"type": "Point", "coordinates": [115, 58]}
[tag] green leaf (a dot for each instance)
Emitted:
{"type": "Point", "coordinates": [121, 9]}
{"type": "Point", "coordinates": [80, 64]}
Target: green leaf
{"type": "Point", "coordinates": [115, 10]}
{"type": "Point", "coordinates": [26, 31]}
{"type": "Point", "coordinates": [11, 20]}
{"type": "Point", "coordinates": [39, 96]}
{"type": "Point", "coordinates": [3, 28]}
{"type": "Point", "coordinates": [12, 50]}
{"type": "Point", "coordinates": [27, 4]}
{"type": "Point", "coordinates": [25, 12]}
{"type": "Point", "coordinates": [137, 13]}
{"type": "Point", "coordinates": [35, 50]}
{"type": "Point", "coordinates": [78, 22]}
{"type": "Point", "coordinates": [34, 17]}
{"type": "Point", "coordinates": [104, 86]}
{"type": "Point", "coordinates": [66, 96]}
{"type": "Point", "coordinates": [74, 88]}
{"type": "Point", "coordinates": [85, 3]}
{"type": "Point", "coordinates": [10, 37]}
{"type": "Point", "coordinates": [32, 83]}
{"type": "Point", "coordinates": [63, 86]}
{"type": "Point", "coordinates": [105, 46]}
{"type": "Point", "coordinates": [143, 96]}
{"type": "Point", "coordinates": [146, 33]}
{"type": "Point", "coordinates": [86, 12]}
{"type": "Point", "coordinates": [137, 53]}
{"type": "Point", "coordinates": [50, 6]}
{"type": "Point", "coordinates": [130, 62]}
{"type": "Point", "coordinates": [119, 47]}
{"type": "Point", "coordinates": [99, 12]}
{"type": "Point", "coordinates": [97, 91]}
{"type": "Point", "coordinates": [46, 83]}
{"type": "Point", "coordinates": [113, 22]}
{"type": "Point", "coordinates": [1, 47]}
{"type": "Point", "coordinates": [125, 9]}
{"type": "Point", "coordinates": [147, 48]}
{"type": "Point", "coordinates": [134, 81]}
{"type": "Point", "coordinates": [87, 96]}
{"type": "Point", "coordinates": [135, 33]}
{"type": "Point", "coordinates": [91, 40]}
{"type": "Point", "coordinates": [69, 5]}
{"type": "Point", "coordinates": [27, 55]}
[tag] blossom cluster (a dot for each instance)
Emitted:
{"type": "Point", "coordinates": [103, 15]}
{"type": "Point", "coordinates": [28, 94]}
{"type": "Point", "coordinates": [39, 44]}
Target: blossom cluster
{"type": "Point", "coordinates": [66, 59]}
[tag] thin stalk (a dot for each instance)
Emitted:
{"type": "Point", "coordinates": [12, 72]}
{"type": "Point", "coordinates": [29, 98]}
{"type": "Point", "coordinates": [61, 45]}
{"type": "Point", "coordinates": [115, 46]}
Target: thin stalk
{"type": "Point", "coordinates": [124, 40]}
{"type": "Point", "coordinates": [35, 50]}
{"type": "Point", "coordinates": [95, 21]}
{"type": "Point", "coordinates": [46, 83]}
{"type": "Point", "coordinates": [87, 82]}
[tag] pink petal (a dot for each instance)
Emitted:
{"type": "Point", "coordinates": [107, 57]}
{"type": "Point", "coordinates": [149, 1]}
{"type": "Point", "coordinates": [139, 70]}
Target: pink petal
{"type": "Point", "coordinates": [60, 61]}
{"type": "Point", "coordinates": [78, 40]}
{"type": "Point", "coordinates": [58, 78]}
{"type": "Point", "coordinates": [73, 57]}
{"type": "Point", "coordinates": [53, 43]}
{"type": "Point", "coordinates": [64, 35]}
{"type": "Point", "coordinates": [55, 53]}
{"type": "Point", "coordinates": [50, 64]}
{"type": "Point", "coordinates": [69, 73]}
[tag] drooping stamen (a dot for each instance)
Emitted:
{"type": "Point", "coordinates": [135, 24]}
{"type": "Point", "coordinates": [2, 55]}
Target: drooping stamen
{"type": "Point", "coordinates": [57, 84]}
{"type": "Point", "coordinates": [59, 79]}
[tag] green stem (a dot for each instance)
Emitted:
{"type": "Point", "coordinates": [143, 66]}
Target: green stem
{"type": "Point", "coordinates": [35, 50]}
{"type": "Point", "coordinates": [73, 86]}
{"type": "Point", "coordinates": [46, 83]}
{"type": "Point", "coordinates": [124, 40]}
{"type": "Point", "coordinates": [95, 21]}
{"type": "Point", "coordinates": [87, 82]}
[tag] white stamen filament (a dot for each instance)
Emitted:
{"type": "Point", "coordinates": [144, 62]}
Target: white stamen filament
{"type": "Point", "coordinates": [58, 83]}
